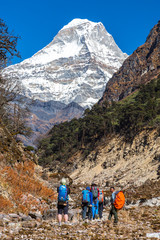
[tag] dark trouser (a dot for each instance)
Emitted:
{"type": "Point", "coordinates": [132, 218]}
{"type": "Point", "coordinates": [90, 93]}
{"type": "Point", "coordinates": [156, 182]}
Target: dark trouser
{"type": "Point", "coordinates": [113, 211]}
{"type": "Point", "coordinates": [100, 209]}
{"type": "Point", "coordinates": [62, 208]}
{"type": "Point", "coordinates": [84, 210]}
{"type": "Point", "coordinates": [89, 213]}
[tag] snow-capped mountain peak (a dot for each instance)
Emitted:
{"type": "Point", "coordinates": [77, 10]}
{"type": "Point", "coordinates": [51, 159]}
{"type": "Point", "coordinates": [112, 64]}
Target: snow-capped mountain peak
{"type": "Point", "coordinates": [77, 21]}
{"type": "Point", "coordinates": [74, 67]}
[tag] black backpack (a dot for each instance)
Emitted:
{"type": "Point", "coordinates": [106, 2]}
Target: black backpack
{"type": "Point", "coordinates": [94, 191]}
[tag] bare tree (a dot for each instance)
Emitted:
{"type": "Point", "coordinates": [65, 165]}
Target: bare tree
{"type": "Point", "coordinates": [8, 44]}
{"type": "Point", "coordinates": [12, 110]}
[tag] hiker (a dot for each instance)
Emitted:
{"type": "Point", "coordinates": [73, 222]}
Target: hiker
{"type": "Point", "coordinates": [87, 199]}
{"type": "Point", "coordinates": [95, 192]}
{"type": "Point", "coordinates": [113, 210]}
{"type": "Point", "coordinates": [102, 202]}
{"type": "Point", "coordinates": [63, 192]}
{"type": "Point", "coordinates": [90, 205]}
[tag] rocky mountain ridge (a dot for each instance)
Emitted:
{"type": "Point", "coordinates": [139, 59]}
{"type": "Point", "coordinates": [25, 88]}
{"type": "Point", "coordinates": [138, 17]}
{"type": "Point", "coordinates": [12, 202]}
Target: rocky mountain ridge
{"type": "Point", "coordinates": [43, 115]}
{"type": "Point", "coordinates": [141, 67]}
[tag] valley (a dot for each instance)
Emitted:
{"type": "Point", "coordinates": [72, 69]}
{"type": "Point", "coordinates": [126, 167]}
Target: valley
{"type": "Point", "coordinates": [111, 139]}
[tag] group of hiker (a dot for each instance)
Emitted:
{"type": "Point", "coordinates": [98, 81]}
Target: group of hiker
{"type": "Point", "coordinates": [93, 202]}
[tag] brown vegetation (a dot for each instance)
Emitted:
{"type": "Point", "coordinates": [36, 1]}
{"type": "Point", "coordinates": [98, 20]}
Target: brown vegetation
{"type": "Point", "coordinates": [24, 190]}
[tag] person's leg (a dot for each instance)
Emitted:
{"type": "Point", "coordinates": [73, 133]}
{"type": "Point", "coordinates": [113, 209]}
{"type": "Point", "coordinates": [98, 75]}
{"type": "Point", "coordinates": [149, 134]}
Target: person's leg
{"type": "Point", "coordinates": [84, 211]}
{"type": "Point", "coordinates": [66, 218]}
{"type": "Point", "coordinates": [89, 213]}
{"type": "Point", "coordinates": [59, 216]}
{"type": "Point", "coordinates": [100, 209]}
{"type": "Point", "coordinates": [115, 215]}
{"type": "Point", "coordinates": [110, 213]}
{"type": "Point", "coordinates": [97, 205]}
{"type": "Point", "coordinates": [93, 210]}
{"type": "Point", "coordinates": [66, 213]}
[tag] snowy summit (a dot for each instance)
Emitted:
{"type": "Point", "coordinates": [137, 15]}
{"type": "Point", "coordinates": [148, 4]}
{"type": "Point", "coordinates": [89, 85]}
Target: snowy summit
{"type": "Point", "coordinates": [74, 67]}
{"type": "Point", "coordinates": [77, 21]}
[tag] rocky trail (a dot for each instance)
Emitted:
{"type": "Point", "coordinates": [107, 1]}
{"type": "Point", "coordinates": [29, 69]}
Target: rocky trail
{"type": "Point", "coordinates": [139, 219]}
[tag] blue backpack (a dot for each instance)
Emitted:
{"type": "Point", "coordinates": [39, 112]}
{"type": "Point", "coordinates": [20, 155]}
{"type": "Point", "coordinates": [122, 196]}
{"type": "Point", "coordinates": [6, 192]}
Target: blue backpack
{"type": "Point", "coordinates": [85, 196]}
{"type": "Point", "coordinates": [62, 195]}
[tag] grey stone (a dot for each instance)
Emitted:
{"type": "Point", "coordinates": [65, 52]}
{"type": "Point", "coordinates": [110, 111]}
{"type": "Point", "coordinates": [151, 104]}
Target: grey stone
{"type": "Point", "coordinates": [50, 213]}
{"type": "Point", "coordinates": [35, 215]}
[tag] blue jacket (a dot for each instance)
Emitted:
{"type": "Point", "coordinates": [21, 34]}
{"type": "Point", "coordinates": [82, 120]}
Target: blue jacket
{"type": "Point", "coordinates": [113, 197]}
{"type": "Point", "coordinates": [91, 197]}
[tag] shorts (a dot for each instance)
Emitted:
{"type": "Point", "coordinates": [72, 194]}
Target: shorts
{"type": "Point", "coordinates": [62, 209]}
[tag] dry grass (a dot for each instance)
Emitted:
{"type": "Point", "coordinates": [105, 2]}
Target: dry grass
{"type": "Point", "coordinates": [23, 188]}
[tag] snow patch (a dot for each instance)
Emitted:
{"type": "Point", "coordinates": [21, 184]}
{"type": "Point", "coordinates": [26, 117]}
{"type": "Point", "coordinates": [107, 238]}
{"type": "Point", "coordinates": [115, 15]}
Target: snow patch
{"type": "Point", "coordinates": [77, 21]}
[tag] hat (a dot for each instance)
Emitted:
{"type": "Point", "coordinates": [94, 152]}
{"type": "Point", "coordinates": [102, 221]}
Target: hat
{"type": "Point", "coordinates": [93, 184]}
{"type": "Point", "coordinates": [87, 188]}
{"type": "Point", "coordinates": [63, 181]}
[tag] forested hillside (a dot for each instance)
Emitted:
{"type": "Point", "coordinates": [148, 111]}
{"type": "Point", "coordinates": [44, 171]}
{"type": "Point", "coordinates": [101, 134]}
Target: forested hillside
{"type": "Point", "coordinates": [127, 117]}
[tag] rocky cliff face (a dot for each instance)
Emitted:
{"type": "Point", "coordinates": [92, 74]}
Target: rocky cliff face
{"type": "Point", "coordinates": [117, 162]}
{"type": "Point", "coordinates": [139, 68]}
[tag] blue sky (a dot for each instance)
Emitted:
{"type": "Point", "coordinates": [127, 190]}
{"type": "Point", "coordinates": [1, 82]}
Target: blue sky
{"type": "Point", "coordinates": [38, 22]}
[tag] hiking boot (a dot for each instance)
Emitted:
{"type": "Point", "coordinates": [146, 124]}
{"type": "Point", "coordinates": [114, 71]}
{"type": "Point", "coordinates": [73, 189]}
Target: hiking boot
{"type": "Point", "coordinates": [115, 223]}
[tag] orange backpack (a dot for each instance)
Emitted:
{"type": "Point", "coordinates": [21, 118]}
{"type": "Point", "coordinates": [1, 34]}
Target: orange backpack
{"type": "Point", "coordinates": [119, 200]}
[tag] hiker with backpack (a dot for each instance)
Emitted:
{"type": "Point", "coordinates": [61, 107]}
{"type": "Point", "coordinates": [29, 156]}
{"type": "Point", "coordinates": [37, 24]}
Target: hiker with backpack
{"type": "Point", "coordinates": [63, 192]}
{"type": "Point", "coordinates": [102, 202]}
{"type": "Point", "coordinates": [117, 202]}
{"type": "Point", "coordinates": [87, 199]}
{"type": "Point", "coordinates": [95, 192]}
{"type": "Point", "coordinates": [113, 210]}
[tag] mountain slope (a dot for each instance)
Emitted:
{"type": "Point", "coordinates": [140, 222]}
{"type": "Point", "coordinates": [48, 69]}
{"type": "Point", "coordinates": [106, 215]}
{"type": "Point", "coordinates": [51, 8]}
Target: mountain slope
{"type": "Point", "coordinates": [21, 185]}
{"type": "Point", "coordinates": [44, 115]}
{"type": "Point", "coordinates": [131, 125]}
{"type": "Point", "coordinates": [142, 66]}
{"type": "Point", "coordinates": [74, 67]}
{"type": "Point", "coordinates": [72, 70]}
